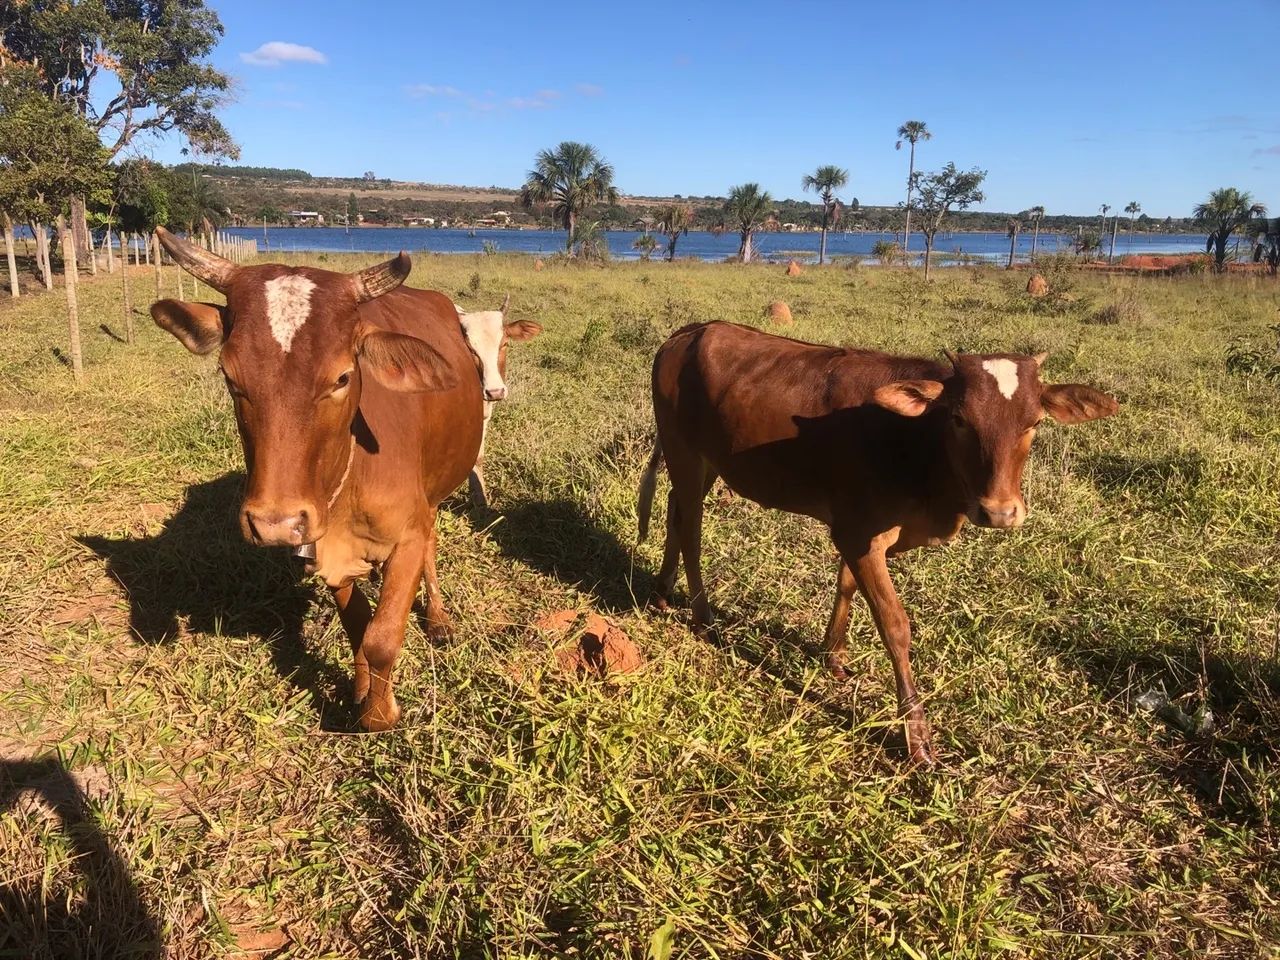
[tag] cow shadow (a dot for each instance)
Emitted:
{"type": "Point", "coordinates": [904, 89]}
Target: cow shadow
{"type": "Point", "coordinates": [197, 575]}
{"type": "Point", "coordinates": [558, 537]}
{"type": "Point", "coordinates": [107, 916]}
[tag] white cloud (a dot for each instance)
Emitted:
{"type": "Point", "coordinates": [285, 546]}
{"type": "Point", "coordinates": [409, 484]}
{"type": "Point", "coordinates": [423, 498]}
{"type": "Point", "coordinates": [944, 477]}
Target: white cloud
{"type": "Point", "coordinates": [419, 90]}
{"type": "Point", "coordinates": [276, 52]}
{"type": "Point", "coordinates": [590, 89]}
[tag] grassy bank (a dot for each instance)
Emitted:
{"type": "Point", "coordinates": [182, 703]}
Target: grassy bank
{"type": "Point", "coordinates": [178, 763]}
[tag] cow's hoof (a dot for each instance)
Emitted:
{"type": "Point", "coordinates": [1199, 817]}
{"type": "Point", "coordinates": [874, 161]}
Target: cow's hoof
{"type": "Point", "coordinates": [376, 719]}
{"type": "Point", "coordinates": [835, 666]}
{"type": "Point", "coordinates": [659, 602]}
{"type": "Point", "coordinates": [440, 632]}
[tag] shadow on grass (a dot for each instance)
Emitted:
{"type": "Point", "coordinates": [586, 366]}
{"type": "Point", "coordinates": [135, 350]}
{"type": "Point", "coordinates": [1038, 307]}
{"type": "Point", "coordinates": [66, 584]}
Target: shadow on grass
{"type": "Point", "coordinates": [559, 538]}
{"type": "Point", "coordinates": [1241, 690]}
{"type": "Point", "coordinates": [198, 575]}
{"type": "Point", "coordinates": [105, 916]}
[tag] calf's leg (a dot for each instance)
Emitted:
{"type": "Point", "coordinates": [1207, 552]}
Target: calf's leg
{"type": "Point", "coordinates": [475, 480]}
{"type": "Point", "coordinates": [354, 612]}
{"type": "Point", "coordinates": [439, 625]}
{"type": "Point", "coordinates": [871, 571]}
{"type": "Point", "coordinates": [385, 635]}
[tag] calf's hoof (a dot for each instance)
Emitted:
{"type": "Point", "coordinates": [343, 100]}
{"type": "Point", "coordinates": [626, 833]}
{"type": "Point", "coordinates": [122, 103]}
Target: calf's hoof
{"type": "Point", "coordinates": [440, 632]}
{"type": "Point", "coordinates": [378, 717]}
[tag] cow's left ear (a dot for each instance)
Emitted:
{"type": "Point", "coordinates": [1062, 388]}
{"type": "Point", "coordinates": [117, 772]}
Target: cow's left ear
{"type": "Point", "coordinates": [910, 398]}
{"type": "Point", "coordinates": [522, 329]}
{"type": "Point", "coordinates": [404, 364]}
{"type": "Point", "coordinates": [1076, 403]}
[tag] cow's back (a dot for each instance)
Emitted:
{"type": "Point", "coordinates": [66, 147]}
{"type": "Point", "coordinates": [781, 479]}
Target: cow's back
{"type": "Point", "coordinates": [786, 423]}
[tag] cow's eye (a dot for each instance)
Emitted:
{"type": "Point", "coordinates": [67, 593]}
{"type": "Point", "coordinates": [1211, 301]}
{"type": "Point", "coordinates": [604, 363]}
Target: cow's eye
{"type": "Point", "coordinates": [343, 379]}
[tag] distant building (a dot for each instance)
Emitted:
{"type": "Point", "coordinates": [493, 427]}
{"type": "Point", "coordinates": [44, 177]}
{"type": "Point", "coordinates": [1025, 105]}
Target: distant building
{"type": "Point", "coordinates": [303, 217]}
{"type": "Point", "coordinates": [412, 221]}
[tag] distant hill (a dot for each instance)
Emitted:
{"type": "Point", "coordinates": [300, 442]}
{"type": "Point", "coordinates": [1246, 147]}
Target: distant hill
{"type": "Point", "coordinates": [253, 193]}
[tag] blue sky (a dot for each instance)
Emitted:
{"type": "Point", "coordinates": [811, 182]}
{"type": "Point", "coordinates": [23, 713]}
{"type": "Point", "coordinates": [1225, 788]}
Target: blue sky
{"type": "Point", "coordinates": [1070, 105]}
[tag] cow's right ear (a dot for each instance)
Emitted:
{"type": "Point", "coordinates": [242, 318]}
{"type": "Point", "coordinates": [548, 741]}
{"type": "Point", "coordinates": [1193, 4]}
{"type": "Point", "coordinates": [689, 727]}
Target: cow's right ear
{"type": "Point", "coordinates": [404, 364]}
{"type": "Point", "coordinates": [910, 398]}
{"type": "Point", "coordinates": [198, 326]}
{"type": "Point", "coordinates": [522, 329]}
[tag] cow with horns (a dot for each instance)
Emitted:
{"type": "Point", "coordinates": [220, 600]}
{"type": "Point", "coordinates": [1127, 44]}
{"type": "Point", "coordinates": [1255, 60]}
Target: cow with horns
{"type": "Point", "coordinates": [358, 409]}
{"type": "Point", "coordinates": [892, 453]}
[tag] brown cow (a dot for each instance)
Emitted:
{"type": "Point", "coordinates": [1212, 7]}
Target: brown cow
{"type": "Point", "coordinates": [890, 452]}
{"type": "Point", "coordinates": [359, 412]}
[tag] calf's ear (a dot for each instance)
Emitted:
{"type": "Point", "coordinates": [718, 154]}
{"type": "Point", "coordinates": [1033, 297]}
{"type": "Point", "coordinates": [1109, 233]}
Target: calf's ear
{"type": "Point", "coordinates": [522, 329]}
{"type": "Point", "coordinates": [404, 364]}
{"type": "Point", "coordinates": [910, 398]}
{"type": "Point", "coordinates": [200, 327]}
{"type": "Point", "coordinates": [1076, 403]}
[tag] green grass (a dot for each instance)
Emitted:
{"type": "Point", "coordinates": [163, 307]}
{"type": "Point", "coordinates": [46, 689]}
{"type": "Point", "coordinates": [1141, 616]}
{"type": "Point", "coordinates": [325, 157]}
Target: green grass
{"type": "Point", "coordinates": [202, 784]}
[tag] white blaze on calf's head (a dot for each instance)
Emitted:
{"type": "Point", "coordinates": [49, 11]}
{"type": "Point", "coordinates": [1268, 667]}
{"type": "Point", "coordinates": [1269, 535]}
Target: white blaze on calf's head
{"type": "Point", "coordinates": [288, 307]}
{"type": "Point", "coordinates": [1006, 375]}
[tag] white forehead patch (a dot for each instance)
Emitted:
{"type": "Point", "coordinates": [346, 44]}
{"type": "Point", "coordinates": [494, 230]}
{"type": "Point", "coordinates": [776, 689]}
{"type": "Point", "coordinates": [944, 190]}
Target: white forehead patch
{"type": "Point", "coordinates": [288, 307]}
{"type": "Point", "coordinates": [484, 332]}
{"type": "Point", "coordinates": [1006, 374]}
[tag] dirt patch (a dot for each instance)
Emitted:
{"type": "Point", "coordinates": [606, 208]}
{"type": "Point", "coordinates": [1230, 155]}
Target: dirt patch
{"type": "Point", "coordinates": [1037, 286]}
{"type": "Point", "coordinates": [595, 646]}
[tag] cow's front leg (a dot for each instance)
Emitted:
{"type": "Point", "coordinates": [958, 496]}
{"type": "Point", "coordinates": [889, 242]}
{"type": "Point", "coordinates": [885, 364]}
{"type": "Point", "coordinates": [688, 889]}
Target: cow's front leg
{"type": "Point", "coordinates": [385, 635]}
{"type": "Point", "coordinates": [439, 625]}
{"type": "Point", "coordinates": [475, 480]}
{"type": "Point", "coordinates": [870, 569]}
{"type": "Point", "coordinates": [354, 612]}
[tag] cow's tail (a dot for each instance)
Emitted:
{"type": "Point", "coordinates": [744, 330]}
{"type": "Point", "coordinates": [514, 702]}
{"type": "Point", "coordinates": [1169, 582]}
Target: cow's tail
{"type": "Point", "coordinates": [648, 487]}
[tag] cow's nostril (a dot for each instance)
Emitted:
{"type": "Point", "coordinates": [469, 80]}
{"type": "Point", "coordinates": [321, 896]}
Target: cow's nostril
{"type": "Point", "coordinates": [496, 393]}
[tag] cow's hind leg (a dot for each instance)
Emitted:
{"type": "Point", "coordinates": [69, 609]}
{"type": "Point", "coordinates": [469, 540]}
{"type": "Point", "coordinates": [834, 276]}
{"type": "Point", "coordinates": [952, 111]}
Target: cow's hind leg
{"type": "Point", "coordinates": [837, 637]}
{"type": "Point", "coordinates": [690, 481]}
{"type": "Point", "coordinates": [385, 635]}
{"type": "Point", "coordinates": [439, 624]}
{"type": "Point", "coordinates": [354, 612]}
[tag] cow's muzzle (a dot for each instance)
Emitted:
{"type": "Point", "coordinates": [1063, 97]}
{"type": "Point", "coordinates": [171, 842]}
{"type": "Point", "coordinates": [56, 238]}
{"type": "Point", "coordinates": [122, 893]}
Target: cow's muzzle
{"type": "Point", "coordinates": [495, 393]}
{"type": "Point", "coordinates": [289, 525]}
{"type": "Point", "coordinates": [1001, 514]}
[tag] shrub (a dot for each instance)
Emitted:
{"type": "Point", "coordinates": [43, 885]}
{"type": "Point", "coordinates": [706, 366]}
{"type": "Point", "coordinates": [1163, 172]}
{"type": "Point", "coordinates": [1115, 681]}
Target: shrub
{"type": "Point", "coordinates": [1126, 308]}
{"type": "Point", "coordinates": [887, 252]}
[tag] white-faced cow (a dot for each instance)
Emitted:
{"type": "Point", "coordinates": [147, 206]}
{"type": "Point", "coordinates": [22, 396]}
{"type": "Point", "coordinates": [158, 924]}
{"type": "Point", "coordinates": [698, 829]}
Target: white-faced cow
{"type": "Point", "coordinates": [890, 452]}
{"type": "Point", "coordinates": [488, 332]}
{"type": "Point", "coordinates": [358, 414]}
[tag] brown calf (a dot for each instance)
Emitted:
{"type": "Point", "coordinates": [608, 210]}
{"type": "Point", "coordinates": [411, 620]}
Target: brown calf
{"type": "Point", "coordinates": [358, 411]}
{"type": "Point", "coordinates": [890, 452]}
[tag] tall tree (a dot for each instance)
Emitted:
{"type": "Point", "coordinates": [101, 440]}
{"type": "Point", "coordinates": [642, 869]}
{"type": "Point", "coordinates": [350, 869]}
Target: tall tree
{"type": "Point", "coordinates": [155, 52]}
{"type": "Point", "coordinates": [674, 221]}
{"type": "Point", "coordinates": [747, 207]}
{"type": "Point", "coordinates": [911, 132]}
{"type": "Point", "coordinates": [1225, 211]}
{"type": "Point", "coordinates": [1132, 208]}
{"type": "Point", "coordinates": [937, 193]}
{"type": "Point", "coordinates": [1013, 226]}
{"type": "Point", "coordinates": [825, 181]}
{"type": "Point", "coordinates": [570, 179]}
{"type": "Point", "coordinates": [1102, 220]}
{"type": "Point", "coordinates": [353, 209]}
{"type": "Point", "coordinates": [1036, 214]}
{"type": "Point", "coordinates": [48, 154]}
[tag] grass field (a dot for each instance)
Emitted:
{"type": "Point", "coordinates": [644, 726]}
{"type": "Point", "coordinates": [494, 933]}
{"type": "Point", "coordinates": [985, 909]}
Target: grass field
{"type": "Point", "coordinates": [180, 773]}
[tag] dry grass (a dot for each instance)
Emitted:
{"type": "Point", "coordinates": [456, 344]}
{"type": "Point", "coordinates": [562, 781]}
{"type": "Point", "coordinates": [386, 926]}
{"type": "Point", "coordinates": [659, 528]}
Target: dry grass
{"type": "Point", "coordinates": [179, 776]}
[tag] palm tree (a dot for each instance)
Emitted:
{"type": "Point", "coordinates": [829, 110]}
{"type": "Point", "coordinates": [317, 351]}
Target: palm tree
{"type": "Point", "coordinates": [912, 132]}
{"type": "Point", "coordinates": [674, 221]}
{"type": "Point", "coordinates": [1102, 221]}
{"type": "Point", "coordinates": [571, 178]}
{"type": "Point", "coordinates": [747, 207]}
{"type": "Point", "coordinates": [1014, 226]}
{"type": "Point", "coordinates": [645, 244]}
{"type": "Point", "coordinates": [825, 181]}
{"type": "Point", "coordinates": [1224, 211]}
{"type": "Point", "coordinates": [1036, 214]}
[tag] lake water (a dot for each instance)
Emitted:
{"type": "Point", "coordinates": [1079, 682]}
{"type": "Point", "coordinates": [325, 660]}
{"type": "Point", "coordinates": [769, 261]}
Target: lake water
{"type": "Point", "coordinates": [699, 244]}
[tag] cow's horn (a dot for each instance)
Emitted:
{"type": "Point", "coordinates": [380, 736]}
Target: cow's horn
{"type": "Point", "coordinates": [955, 361]}
{"type": "Point", "coordinates": [200, 263]}
{"type": "Point", "coordinates": [506, 302]}
{"type": "Point", "coordinates": [382, 277]}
